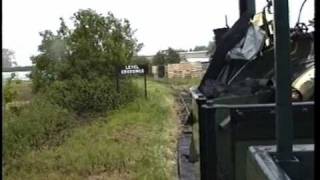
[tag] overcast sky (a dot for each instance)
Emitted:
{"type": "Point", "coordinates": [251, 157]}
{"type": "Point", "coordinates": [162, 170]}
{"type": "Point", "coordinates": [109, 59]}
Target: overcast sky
{"type": "Point", "coordinates": [159, 23]}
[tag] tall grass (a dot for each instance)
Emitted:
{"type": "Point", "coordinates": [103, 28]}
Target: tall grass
{"type": "Point", "coordinates": [38, 125]}
{"type": "Point", "coordinates": [182, 84]}
{"type": "Point", "coordinates": [24, 90]}
{"type": "Point", "coordinates": [138, 141]}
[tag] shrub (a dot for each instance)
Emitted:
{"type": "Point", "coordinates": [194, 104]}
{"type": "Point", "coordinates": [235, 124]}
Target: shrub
{"type": "Point", "coordinates": [38, 124]}
{"type": "Point", "coordinates": [77, 66]}
{"type": "Point", "coordinates": [95, 46]}
{"type": "Point", "coordinates": [97, 95]}
{"type": "Point", "coordinates": [9, 92]}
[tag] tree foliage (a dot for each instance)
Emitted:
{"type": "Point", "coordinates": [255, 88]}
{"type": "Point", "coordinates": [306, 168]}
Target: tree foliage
{"type": "Point", "coordinates": [9, 92]}
{"type": "Point", "coordinates": [200, 48]}
{"type": "Point", "coordinates": [159, 58]}
{"type": "Point", "coordinates": [172, 56]}
{"type": "Point", "coordinates": [140, 60]}
{"type": "Point", "coordinates": [92, 49]}
{"type": "Point", "coordinates": [169, 56]}
{"type": "Point", "coordinates": [7, 58]}
{"type": "Point", "coordinates": [76, 67]}
{"type": "Point", "coordinates": [211, 47]}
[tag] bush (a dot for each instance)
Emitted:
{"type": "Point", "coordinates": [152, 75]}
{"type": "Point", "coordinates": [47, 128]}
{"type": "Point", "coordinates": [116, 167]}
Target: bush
{"type": "Point", "coordinates": [24, 91]}
{"type": "Point", "coordinates": [77, 66]}
{"type": "Point", "coordinates": [94, 47]}
{"type": "Point", "coordinates": [97, 95]}
{"type": "Point", "coordinates": [38, 124]}
{"type": "Point", "coordinates": [9, 92]}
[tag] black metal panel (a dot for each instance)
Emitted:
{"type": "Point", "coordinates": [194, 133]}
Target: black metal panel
{"type": "Point", "coordinates": [259, 123]}
{"type": "Point", "coordinates": [207, 144]}
{"type": "Point", "coordinates": [247, 5]}
{"type": "Point", "coordinates": [197, 101]}
{"type": "Point", "coordinates": [218, 34]}
{"type": "Point", "coordinates": [219, 135]}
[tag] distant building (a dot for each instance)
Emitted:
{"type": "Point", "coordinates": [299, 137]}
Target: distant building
{"type": "Point", "coordinates": [194, 56]}
{"type": "Point", "coordinates": [148, 57]}
{"type": "Point", "coordinates": [189, 56]}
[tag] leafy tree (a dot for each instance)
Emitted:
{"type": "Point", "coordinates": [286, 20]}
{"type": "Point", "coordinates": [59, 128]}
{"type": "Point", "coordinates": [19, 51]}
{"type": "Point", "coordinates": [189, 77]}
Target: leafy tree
{"type": "Point", "coordinates": [159, 58]}
{"type": "Point", "coordinates": [140, 60]}
{"type": "Point", "coordinates": [93, 49]}
{"type": "Point", "coordinates": [200, 48]}
{"type": "Point", "coordinates": [172, 56]}
{"type": "Point", "coordinates": [169, 56]}
{"type": "Point", "coordinates": [7, 58]}
{"type": "Point", "coordinates": [9, 92]}
{"type": "Point", "coordinates": [181, 50]}
{"type": "Point", "coordinates": [211, 47]}
{"type": "Point", "coordinates": [76, 67]}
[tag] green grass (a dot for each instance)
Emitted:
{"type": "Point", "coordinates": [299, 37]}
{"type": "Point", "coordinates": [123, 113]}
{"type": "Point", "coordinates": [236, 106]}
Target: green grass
{"type": "Point", "coordinates": [185, 81]}
{"type": "Point", "coordinates": [137, 141]}
{"type": "Point", "coordinates": [24, 90]}
{"type": "Point", "coordinates": [23, 95]}
{"type": "Point", "coordinates": [180, 84]}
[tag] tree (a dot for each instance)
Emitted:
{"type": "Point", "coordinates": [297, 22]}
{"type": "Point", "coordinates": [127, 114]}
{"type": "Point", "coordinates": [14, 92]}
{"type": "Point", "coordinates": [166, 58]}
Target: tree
{"type": "Point", "coordinates": [211, 47]}
{"type": "Point", "coordinates": [200, 48]}
{"type": "Point", "coordinates": [159, 58]}
{"type": "Point", "coordinates": [7, 58]}
{"type": "Point", "coordinates": [10, 92]}
{"type": "Point", "coordinates": [181, 50]}
{"type": "Point", "coordinates": [172, 56]}
{"type": "Point", "coordinates": [92, 49]}
{"type": "Point", "coordinates": [169, 56]}
{"type": "Point", "coordinates": [76, 67]}
{"type": "Point", "coordinates": [140, 60]}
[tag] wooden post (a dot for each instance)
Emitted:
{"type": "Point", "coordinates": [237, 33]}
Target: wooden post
{"type": "Point", "coordinates": [145, 83]}
{"type": "Point", "coordinates": [117, 79]}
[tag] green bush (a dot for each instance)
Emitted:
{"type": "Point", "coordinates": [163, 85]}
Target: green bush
{"type": "Point", "coordinates": [94, 47]}
{"type": "Point", "coordinates": [77, 67]}
{"type": "Point", "coordinates": [85, 96]}
{"type": "Point", "coordinates": [9, 92]}
{"type": "Point", "coordinates": [37, 125]}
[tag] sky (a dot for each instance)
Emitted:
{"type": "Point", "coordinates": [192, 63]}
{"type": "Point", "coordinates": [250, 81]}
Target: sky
{"type": "Point", "coordinates": [180, 24]}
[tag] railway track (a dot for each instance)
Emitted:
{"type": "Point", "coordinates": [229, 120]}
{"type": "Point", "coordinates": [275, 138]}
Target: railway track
{"type": "Point", "coordinates": [185, 167]}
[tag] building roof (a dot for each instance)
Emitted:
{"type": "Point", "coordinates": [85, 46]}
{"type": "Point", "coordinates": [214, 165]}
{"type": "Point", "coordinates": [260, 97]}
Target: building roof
{"type": "Point", "coordinates": [205, 59]}
{"type": "Point", "coordinates": [195, 56]}
{"type": "Point", "coordinates": [189, 56]}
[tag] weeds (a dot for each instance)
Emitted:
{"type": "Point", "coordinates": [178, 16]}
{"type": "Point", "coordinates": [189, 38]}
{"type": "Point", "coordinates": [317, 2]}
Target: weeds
{"type": "Point", "coordinates": [137, 141]}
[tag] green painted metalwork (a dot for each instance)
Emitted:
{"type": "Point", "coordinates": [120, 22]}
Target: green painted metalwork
{"type": "Point", "coordinates": [262, 166]}
{"type": "Point", "coordinates": [284, 120]}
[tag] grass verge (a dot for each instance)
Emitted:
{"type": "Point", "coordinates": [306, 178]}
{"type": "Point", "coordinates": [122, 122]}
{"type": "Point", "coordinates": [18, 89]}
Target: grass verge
{"type": "Point", "coordinates": [182, 84]}
{"type": "Point", "coordinates": [138, 141]}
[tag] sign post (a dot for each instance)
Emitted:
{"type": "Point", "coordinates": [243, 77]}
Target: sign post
{"type": "Point", "coordinates": [145, 85]}
{"type": "Point", "coordinates": [117, 80]}
{"type": "Point", "coordinates": [129, 70]}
